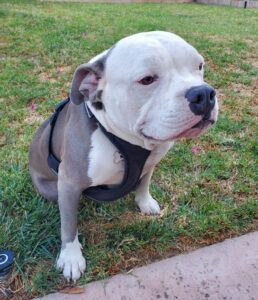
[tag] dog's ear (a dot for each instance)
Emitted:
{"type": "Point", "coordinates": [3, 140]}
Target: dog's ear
{"type": "Point", "coordinates": [85, 81]}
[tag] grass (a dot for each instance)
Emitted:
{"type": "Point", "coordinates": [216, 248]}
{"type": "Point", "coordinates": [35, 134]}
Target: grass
{"type": "Point", "coordinates": [207, 196]}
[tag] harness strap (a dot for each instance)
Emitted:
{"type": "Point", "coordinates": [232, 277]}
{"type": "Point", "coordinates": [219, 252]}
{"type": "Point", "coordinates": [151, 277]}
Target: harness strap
{"type": "Point", "coordinates": [134, 161]}
{"type": "Point", "coordinates": [52, 160]}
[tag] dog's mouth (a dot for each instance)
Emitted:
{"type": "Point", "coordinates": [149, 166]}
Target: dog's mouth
{"type": "Point", "coordinates": [188, 133]}
{"type": "Point", "coordinates": [196, 129]}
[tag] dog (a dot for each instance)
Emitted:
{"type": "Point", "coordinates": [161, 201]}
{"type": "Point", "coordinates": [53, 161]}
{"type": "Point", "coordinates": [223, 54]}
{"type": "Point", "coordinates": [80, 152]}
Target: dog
{"type": "Point", "coordinates": [147, 92]}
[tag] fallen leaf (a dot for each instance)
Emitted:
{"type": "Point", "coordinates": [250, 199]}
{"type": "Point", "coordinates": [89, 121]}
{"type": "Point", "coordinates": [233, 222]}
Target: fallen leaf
{"type": "Point", "coordinates": [73, 290]}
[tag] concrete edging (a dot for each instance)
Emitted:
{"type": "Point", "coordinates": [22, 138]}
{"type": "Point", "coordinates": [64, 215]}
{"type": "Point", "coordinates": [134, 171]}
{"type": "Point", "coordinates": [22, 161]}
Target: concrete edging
{"type": "Point", "coordinates": [227, 270]}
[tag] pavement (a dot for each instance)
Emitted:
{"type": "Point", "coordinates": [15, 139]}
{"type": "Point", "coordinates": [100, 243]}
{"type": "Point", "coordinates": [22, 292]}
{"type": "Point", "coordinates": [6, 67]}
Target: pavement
{"type": "Point", "coordinates": [227, 270]}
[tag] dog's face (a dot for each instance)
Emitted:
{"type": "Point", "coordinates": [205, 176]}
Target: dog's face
{"type": "Point", "coordinates": [151, 86]}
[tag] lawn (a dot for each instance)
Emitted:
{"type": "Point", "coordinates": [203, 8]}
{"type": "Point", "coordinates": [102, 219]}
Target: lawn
{"type": "Point", "coordinates": [206, 187]}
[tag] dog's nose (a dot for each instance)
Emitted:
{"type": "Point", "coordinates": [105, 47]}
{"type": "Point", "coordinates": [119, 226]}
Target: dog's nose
{"type": "Point", "coordinates": [201, 100]}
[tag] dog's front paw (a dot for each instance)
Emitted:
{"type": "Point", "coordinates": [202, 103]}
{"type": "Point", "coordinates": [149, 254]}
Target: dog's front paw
{"type": "Point", "coordinates": [148, 205]}
{"type": "Point", "coordinates": [71, 261]}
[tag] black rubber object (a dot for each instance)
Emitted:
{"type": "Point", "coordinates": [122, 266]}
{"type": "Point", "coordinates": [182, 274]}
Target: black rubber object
{"type": "Point", "coordinates": [6, 262]}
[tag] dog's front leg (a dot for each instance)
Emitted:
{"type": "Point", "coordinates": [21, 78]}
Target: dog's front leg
{"type": "Point", "coordinates": [70, 259]}
{"type": "Point", "coordinates": [143, 198]}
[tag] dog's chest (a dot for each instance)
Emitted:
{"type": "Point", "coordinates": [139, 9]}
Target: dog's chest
{"type": "Point", "coordinates": [106, 165]}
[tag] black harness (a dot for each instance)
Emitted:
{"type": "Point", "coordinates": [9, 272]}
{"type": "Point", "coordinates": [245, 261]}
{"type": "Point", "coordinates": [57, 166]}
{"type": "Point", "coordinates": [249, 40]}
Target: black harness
{"type": "Point", "coordinates": [134, 161]}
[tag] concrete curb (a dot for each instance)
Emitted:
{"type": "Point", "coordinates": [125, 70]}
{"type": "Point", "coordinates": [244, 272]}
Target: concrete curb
{"type": "Point", "coordinates": [228, 270]}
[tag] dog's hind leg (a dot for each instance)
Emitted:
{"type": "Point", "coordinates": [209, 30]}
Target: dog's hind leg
{"type": "Point", "coordinates": [46, 187]}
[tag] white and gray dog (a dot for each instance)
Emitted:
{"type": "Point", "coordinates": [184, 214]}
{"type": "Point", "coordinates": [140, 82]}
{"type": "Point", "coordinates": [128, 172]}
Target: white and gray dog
{"type": "Point", "coordinates": [147, 91]}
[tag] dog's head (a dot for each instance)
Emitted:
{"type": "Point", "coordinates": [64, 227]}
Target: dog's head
{"type": "Point", "coordinates": [150, 86]}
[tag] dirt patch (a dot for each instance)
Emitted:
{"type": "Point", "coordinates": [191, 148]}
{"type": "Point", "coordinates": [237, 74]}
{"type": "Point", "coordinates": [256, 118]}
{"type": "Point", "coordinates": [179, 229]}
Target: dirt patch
{"type": "Point", "coordinates": [254, 63]}
{"type": "Point", "coordinates": [251, 59]}
{"type": "Point", "coordinates": [220, 95]}
{"type": "Point", "coordinates": [252, 43]}
{"type": "Point", "coordinates": [52, 75]}
{"type": "Point", "coordinates": [244, 90]}
{"type": "Point", "coordinates": [45, 76]}
{"type": "Point", "coordinates": [238, 99]}
{"type": "Point", "coordinates": [252, 55]}
{"type": "Point", "coordinates": [63, 69]}
{"type": "Point", "coordinates": [33, 118]}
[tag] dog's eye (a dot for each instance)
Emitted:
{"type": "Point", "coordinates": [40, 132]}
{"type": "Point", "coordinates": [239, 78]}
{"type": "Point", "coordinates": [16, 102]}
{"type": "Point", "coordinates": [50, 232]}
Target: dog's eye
{"type": "Point", "coordinates": [148, 80]}
{"type": "Point", "coordinates": [200, 66]}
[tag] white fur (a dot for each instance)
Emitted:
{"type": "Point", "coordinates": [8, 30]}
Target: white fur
{"type": "Point", "coordinates": [71, 260]}
{"type": "Point", "coordinates": [103, 165]}
{"type": "Point", "coordinates": [159, 111]}
{"type": "Point", "coordinates": [143, 199]}
{"type": "Point", "coordinates": [148, 205]}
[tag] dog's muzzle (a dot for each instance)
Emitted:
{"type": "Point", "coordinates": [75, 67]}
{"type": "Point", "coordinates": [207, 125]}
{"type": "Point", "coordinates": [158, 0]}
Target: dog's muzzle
{"type": "Point", "coordinates": [201, 100]}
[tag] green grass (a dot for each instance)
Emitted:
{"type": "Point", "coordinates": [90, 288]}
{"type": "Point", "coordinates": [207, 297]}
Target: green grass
{"type": "Point", "coordinates": [207, 196]}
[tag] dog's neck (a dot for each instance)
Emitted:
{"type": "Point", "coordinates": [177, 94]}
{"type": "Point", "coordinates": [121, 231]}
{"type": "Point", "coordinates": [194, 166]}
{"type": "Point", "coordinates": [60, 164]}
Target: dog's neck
{"type": "Point", "coordinates": [108, 124]}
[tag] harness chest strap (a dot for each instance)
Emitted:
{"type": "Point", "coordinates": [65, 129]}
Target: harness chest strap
{"type": "Point", "coordinates": [134, 161]}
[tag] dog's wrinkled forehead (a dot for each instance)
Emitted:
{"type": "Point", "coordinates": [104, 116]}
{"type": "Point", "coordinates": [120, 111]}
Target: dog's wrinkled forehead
{"type": "Point", "coordinates": [143, 52]}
